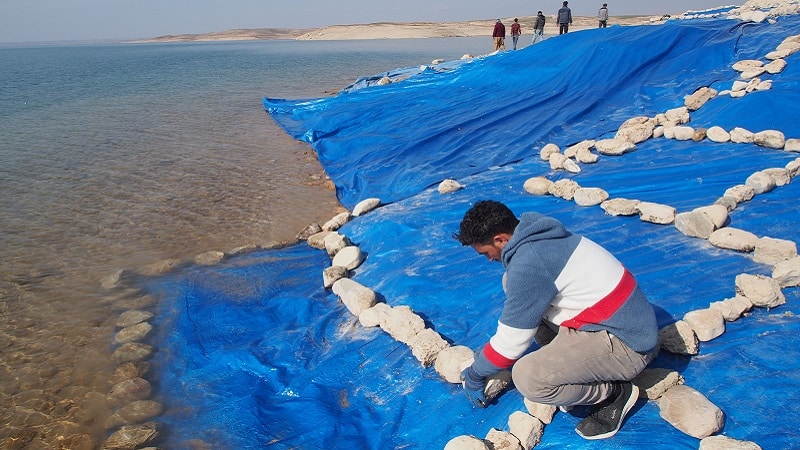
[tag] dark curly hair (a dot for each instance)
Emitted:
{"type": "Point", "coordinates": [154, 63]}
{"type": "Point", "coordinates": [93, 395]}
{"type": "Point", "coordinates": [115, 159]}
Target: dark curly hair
{"type": "Point", "coordinates": [483, 221]}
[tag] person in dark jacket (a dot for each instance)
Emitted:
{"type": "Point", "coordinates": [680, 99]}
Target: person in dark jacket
{"type": "Point", "coordinates": [564, 19]}
{"type": "Point", "coordinates": [602, 16]}
{"type": "Point", "coordinates": [595, 328]}
{"type": "Point", "coordinates": [538, 28]}
{"type": "Point", "coordinates": [499, 35]}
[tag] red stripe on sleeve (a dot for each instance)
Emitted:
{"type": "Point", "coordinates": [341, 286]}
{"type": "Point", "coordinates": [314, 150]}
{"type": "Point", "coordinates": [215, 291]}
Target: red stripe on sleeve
{"type": "Point", "coordinates": [606, 306]}
{"type": "Point", "coordinates": [496, 358]}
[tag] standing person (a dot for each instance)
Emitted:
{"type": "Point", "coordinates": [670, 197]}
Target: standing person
{"type": "Point", "coordinates": [538, 28]}
{"type": "Point", "coordinates": [602, 15]}
{"type": "Point", "coordinates": [564, 19]}
{"type": "Point", "coordinates": [515, 32]}
{"type": "Point", "coordinates": [499, 35]}
{"type": "Point", "coordinates": [595, 327]}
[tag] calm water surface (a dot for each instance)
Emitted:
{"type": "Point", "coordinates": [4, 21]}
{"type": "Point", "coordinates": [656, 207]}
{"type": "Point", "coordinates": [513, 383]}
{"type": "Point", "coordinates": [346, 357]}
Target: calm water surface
{"type": "Point", "coordinates": [117, 156]}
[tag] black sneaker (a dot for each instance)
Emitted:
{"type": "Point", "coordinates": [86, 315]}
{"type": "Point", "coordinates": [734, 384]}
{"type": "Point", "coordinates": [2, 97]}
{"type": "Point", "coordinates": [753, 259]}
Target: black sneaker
{"type": "Point", "coordinates": [606, 421]}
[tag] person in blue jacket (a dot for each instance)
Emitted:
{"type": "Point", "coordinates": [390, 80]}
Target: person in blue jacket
{"type": "Point", "coordinates": [595, 329]}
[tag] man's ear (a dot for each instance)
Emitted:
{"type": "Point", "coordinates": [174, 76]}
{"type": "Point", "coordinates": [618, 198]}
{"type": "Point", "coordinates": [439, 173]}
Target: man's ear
{"type": "Point", "coordinates": [500, 240]}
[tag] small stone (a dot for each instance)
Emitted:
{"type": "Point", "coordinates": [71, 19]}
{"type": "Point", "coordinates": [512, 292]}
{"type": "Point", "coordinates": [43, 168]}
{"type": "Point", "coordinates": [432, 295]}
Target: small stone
{"type": "Point", "coordinates": [690, 412]}
{"type": "Point", "coordinates": [653, 382]}
{"type": "Point", "coordinates": [209, 258]}
{"type": "Point", "coordinates": [308, 231]}
{"type": "Point", "coordinates": [699, 98]}
{"type": "Point", "coordinates": [372, 316]}
{"type": "Point", "coordinates": [334, 242]}
{"type": "Point", "coordinates": [776, 66]}
{"type": "Point", "coordinates": [772, 251]}
{"type": "Point", "coordinates": [656, 213]}
{"type": "Point", "coordinates": [544, 413]}
{"type": "Point", "coordinates": [678, 115]}
{"type": "Point", "coordinates": [707, 324]}
{"type": "Point", "coordinates": [130, 437]}
{"type": "Point", "coordinates": [792, 145]}
{"type": "Point", "coordinates": [355, 296]}
{"type": "Point", "coordinates": [679, 338]}
{"type": "Point", "coordinates": [132, 317]}
{"type": "Point", "coordinates": [128, 390]}
{"type": "Point", "coordinates": [779, 175]}
{"type": "Point", "coordinates": [332, 274]}
{"type": "Point", "coordinates": [741, 193]}
{"type": "Point", "coordinates": [336, 221]}
{"type": "Point", "coordinates": [787, 272]}
{"type": "Point", "coordinates": [741, 136]}
{"type": "Point", "coordinates": [762, 291]}
{"type": "Point", "coordinates": [401, 323]}
{"type": "Point", "coordinates": [365, 206]}
{"type": "Point", "coordinates": [564, 188]}
{"type": "Point", "coordinates": [426, 345]}
{"type": "Point", "coordinates": [769, 139]}
{"type": "Point", "coordinates": [349, 257]}
{"type": "Point", "coordinates": [160, 267]}
{"type": "Point", "coordinates": [526, 428]}
{"type": "Point", "coordinates": [133, 333]}
{"type": "Point", "coordinates": [465, 442]}
{"type": "Point", "coordinates": [718, 134]}
{"type": "Point", "coordinates": [537, 186]}
{"type": "Point", "coordinates": [614, 147]}
{"type": "Point", "coordinates": [132, 351]}
{"type": "Point", "coordinates": [449, 362]}
{"type": "Point", "coordinates": [720, 442]}
{"type": "Point", "coordinates": [502, 440]}
{"type": "Point", "coordinates": [620, 207]}
{"type": "Point", "coordinates": [548, 150]}
{"type": "Point", "coordinates": [734, 239]}
{"type": "Point", "coordinates": [449, 186]}
{"type": "Point", "coordinates": [760, 182]}
{"type": "Point", "coordinates": [130, 369]}
{"type": "Point", "coordinates": [590, 196]}
{"type": "Point", "coordinates": [317, 240]}
{"type": "Point", "coordinates": [732, 308]}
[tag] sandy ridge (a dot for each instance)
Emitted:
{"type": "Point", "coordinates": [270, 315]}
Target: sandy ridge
{"type": "Point", "coordinates": [392, 30]}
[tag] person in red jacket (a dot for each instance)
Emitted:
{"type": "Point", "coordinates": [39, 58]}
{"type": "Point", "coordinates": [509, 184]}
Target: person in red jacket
{"type": "Point", "coordinates": [499, 35]}
{"type": "Point", "coordinates": [515, 32]}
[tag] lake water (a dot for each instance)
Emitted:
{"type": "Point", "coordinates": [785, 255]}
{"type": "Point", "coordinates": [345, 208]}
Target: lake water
{"type": "Point", "coordinates": [116, 156]}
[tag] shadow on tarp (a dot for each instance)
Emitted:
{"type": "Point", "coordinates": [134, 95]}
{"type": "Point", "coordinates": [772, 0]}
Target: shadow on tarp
{"type": "Point", "coordinates": [255, 353]}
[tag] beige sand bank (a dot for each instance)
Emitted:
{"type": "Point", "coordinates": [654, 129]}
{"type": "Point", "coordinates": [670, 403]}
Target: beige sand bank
{"type": "Point", "coordinates": [388, 30]}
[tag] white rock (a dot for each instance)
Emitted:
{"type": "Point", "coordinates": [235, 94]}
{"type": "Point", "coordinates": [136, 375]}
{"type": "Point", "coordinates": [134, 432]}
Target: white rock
{"type": "Point", "coordinates": [571, 166]}
{"type": "Point", "coordinates": [502, 440]}
{"type": "Point", "coordinates": [793, 167]}
{"type": "Point", "coordinates": [747, 64]}
{"type": "Point", "coordinates": [557, 161]}
{"type": "Point", "coordinates": [738, 94]}
{"type": "Point", "coordinates": [548, 150]}
{"type": "Point", "coordinates": [706, 323]}
{"type": "Point", "coordinates": [764, 85]}
{"type": "Point", "coordinates": [355, 296]}
{"type": "Point", "coordinates": [678, 115]}
{"type": "Point", "coordinates": [656, 213]}
{"type": "Point", "coordinates": [678, 338]}
{"type": "Point", "coordinates": [572, 151]}
{"type": "Point", "coordinates": [636, 133]}
{"type": "Point", "coordinates": [450, 360]}
{"type": "Point", "coordinates": [683, 133]}
{"type": "Point", "coordinates": [365, 206]}
{"type": "Point", "coordinates": [775, 66]}
{"type": "Point", "coordinates": [653, 382]}
{"type": "Point", "coordinates": [720, 442]}
{"type": "Point", "coordinates": [526, 428]}
{"type": "Point", "coordinates": [465, 442]}
{"type": "Point", "coordinates": [620, 207]}
{"type": "Point", "coordinates": [769, 139]}
{"type": "Point", "coordinates": [717, 213]}
{"type": "Point", "coordinates": [753, 16]}
{"type": "Point", "coordinates": [787, 272]}
{"type": "Point", "coordinates": [741, 193]}
{"type": "Point", "coordinates": [133, 333]}
{"type": "Point", "coordinates": [658, 131]}
{"type": "Point", "coordinates": [739, 85]}
{"type": "Point", "coordinates": [426, 345]}
{"type": "Point", "coordinates": [334, 242]}
{"type": "Point", "coordinates": [752, 73]}
{"type": "Point", "coordinates": [771, 251]}
{"type": "Point", "coordinates": [349, 257]}
{"type": "Point", "coordinates": [541, 411]}
{"type": "Point", "coordinates": [741, 136]}
{"type": "Point", "coordinates": [317, 240]}
{"type": "Point", "coordinates": [209, 258]}
{"type": "Point", "coordinates": [762, 291]}
{"type": "Point", "coordinates": [734, 239]}
{"type": "Point", "coordinates": [718, 134]}
{"type": "Point", "coordinates": [690, 412]}
{"type": "Point", "coordinates": [564, 188]}
{"type": "Point", "coordinates": [760, 182]}
{"type": "Point", "coordinates": [401, 323]}
{"type": "Point", "coordinates": [590, 196]}
{"type": "Point", "coordinates": [701, 222]}
{"type": "Point", "coordinates": [448, 186]}
{"type": "Point", "coordinates": [336, 222]}
{"type": "Point", "coordinates": [729, 203]}
{"type": "Point", "coordinates": [496, 384]}
{"type": "Point", "coordinates": [586, 156]}
{"type": "Point", "coordinates": [792, 145]}
{"type": "Point", "coordinates": [538, 186]}
{"type": "Point", "coordinates": [699, 98]}
{"type": "Point", "coordinates": [781, 176]}
{"type": "Point", "coordinates": [732, 308]}
{"type": "Point", "coordinates": [614, 147]}
{"type": "Point", "coordinates": [332, 274]}
{"type": "Point", "coordinates": [372, 316]}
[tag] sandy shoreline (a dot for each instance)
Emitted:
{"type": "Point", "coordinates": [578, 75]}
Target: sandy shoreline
{"type": "Point", "coordinates": [389, 30]}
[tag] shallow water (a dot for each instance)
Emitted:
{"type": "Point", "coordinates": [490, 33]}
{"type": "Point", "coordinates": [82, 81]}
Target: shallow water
{"type": "Point", "coordinates": [117, 156]}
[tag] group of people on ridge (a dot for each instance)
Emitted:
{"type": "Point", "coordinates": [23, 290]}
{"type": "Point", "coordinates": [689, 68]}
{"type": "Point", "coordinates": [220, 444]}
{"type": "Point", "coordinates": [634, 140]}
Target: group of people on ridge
{"type": "Point", "coordinates": [563, 19]}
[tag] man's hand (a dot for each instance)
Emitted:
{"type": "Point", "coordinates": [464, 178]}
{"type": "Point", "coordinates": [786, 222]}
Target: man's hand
{"type": "Point", "coordinates": [473, 387]}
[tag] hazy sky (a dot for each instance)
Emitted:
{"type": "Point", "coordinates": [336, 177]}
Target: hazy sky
{"type": "Point", "coordinates": [55, 20]}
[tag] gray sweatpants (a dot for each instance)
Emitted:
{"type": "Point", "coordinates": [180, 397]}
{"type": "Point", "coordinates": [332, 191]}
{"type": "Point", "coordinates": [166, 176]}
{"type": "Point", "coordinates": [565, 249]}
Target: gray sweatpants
{"type": "Point", "coordinates": [575, 367]}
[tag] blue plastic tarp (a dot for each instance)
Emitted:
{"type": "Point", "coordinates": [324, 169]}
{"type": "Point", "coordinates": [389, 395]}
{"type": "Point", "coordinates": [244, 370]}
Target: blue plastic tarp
{"type": "Point", "coordinates": [257, 354]}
